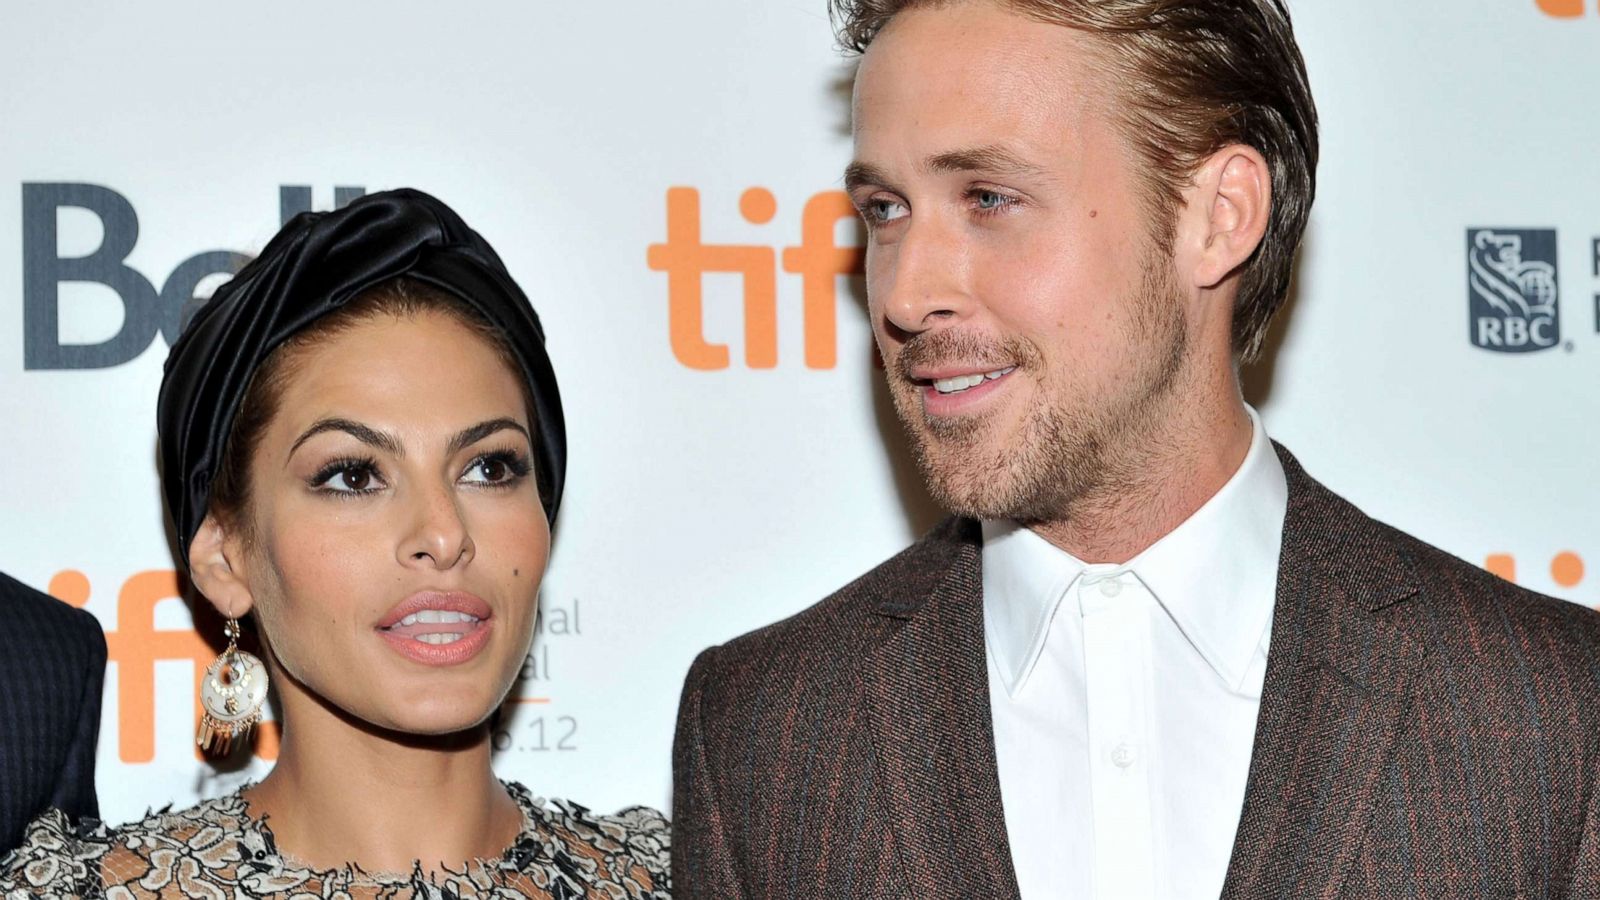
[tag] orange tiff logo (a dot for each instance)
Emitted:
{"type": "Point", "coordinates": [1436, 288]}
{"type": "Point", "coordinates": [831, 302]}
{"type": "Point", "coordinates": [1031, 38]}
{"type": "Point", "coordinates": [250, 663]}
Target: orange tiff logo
{"type": "Point", "coordinates": [136, 645]}
{"type": "Point", "coordinates": [818, 260]}
{"type": "Point", "coordinates": [1566, 568]}
{"type": "Point", "coordinates": [1561, 9]}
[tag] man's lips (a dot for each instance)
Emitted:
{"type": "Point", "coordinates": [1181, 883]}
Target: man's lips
{"type": "Point", "coordinates": [955, 390]}
{"type": "Point", "coordinates": [955, 379]}
{"type": "Point", "coordinates": [952, 370]}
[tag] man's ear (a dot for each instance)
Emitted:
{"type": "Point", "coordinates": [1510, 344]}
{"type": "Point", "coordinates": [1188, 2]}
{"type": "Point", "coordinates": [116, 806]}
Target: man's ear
{"type": "Point", "coordinates": [216, 566]}
{"type": "Point", "coordinates": [1225, 215]}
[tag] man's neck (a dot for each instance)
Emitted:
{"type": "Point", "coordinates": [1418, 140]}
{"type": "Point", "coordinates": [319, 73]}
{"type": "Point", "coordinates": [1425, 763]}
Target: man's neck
{"type": "Point", "coordinates": [1161, 483]}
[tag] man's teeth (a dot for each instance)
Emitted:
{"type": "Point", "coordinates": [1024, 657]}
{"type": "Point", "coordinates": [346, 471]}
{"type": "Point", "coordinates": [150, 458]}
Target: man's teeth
{"type": "Point", "coordinates": [963, 382]}
{"type": "Point", "coordinates": [437, 617]}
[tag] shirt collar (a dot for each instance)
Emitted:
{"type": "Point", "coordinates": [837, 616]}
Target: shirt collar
{"type": "Point", "coordinates": [1215, 574]}
{"type": "Point", "coordinates": [1024, 579]}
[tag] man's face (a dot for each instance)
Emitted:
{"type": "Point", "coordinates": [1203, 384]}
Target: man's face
{"type": "Point", "coordinates": [1032, 330]}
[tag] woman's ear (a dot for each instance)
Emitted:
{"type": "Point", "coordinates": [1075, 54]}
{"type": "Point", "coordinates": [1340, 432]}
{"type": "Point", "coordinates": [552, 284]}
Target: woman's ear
{"type": "Point", "coordinates": [216, 566]}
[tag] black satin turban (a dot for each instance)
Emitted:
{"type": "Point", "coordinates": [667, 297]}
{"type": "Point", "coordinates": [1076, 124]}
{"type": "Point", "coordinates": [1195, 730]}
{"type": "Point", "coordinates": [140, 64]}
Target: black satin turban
{"type": "Point", "coordinates": [309, 269]}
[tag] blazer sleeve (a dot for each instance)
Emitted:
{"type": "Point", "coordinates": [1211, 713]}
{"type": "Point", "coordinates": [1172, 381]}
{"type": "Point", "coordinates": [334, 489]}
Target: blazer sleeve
{"type": "Point", "coordinates": [1586, 867]}
{"type": "Point", "coordinates": [703, 865]}
{"type": "Point", "coordinates": [75, 792]}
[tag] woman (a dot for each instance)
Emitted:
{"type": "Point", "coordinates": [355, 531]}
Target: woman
{"type": "Point", "coordinates": [362, 450]}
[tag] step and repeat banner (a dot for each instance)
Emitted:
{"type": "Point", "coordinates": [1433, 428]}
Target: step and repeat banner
{"type": "Point", "coordinates": [664, 181]}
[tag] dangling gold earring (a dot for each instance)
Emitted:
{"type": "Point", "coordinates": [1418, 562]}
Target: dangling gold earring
{"type": "Point", "coordinates": [232, 694]}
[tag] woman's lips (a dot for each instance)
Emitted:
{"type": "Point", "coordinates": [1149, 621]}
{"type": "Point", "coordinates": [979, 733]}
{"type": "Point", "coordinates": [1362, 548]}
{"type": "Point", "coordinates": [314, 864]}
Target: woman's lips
{"type": "Point", "coordinates": [442, 601]}
{"type": "Point", "coordinates": [435, 624]}
{"type": "Point", "coordinates": [438, 628]}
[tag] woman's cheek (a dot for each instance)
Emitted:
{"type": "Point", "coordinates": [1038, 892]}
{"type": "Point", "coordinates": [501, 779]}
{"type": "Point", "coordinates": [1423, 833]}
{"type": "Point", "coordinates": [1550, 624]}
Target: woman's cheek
{"type": "Point", "coordinates": [517, 542]}
{"type": "Point", "coordinates": [316, 582]}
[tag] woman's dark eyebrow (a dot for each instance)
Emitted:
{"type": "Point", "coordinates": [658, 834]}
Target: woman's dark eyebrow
{"type": "Point", "coordinates": [369, 436]}
{"type": "Point", "coordinates": [478, 432]}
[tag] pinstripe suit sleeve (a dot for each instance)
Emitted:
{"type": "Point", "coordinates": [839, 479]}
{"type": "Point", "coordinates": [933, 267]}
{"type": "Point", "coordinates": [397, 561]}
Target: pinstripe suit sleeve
{"type": "Point", "coordinates": [1586, 864]}
{"type": "Point", "coordinates": [1586, 870]}
{"type": "Point", "coordinates": [702, 860]}
{"type": "Point", "coordinates": [75, 792]}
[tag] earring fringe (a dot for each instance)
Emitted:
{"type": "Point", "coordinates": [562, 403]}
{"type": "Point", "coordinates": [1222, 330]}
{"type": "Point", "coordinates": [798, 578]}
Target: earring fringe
{"type": "Point", "coordinates": [232, 696]}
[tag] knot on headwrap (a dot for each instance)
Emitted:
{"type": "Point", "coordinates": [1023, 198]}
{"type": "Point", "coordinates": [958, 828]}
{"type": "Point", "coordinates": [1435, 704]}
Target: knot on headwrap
{"type": "Point", "coordinates": [313, 266]}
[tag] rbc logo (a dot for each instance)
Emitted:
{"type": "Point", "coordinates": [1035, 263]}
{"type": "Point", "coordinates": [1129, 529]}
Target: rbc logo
{"type": "Point", "coordinates": [1511, 289]}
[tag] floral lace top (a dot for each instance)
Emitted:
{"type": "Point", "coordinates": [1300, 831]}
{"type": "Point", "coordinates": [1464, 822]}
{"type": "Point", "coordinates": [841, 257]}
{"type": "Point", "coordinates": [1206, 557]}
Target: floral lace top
{"type": "Point", "coordinates": [216, 850]}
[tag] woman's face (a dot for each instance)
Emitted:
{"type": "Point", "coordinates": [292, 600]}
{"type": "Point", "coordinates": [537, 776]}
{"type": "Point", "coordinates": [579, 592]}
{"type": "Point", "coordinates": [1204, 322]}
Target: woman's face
{"type": "Point", "coordinates": [398, 539]}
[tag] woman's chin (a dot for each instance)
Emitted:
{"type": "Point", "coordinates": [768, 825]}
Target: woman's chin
{"type": "Point", "coordinates": [436, 717]}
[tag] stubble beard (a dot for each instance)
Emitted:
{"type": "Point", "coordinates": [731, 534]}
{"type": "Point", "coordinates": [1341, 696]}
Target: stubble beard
{"type": "Point", "coordinates": [1071, 450]}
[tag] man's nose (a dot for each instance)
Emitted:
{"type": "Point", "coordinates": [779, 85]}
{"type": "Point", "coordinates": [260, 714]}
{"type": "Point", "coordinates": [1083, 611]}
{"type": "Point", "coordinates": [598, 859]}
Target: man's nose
{"type": "Point", "coordinates": [926, 285]}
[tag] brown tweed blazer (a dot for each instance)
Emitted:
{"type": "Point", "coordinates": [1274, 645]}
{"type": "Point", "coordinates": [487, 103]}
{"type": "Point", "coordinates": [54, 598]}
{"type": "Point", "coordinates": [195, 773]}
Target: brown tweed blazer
{"type": "Point", "coordinates": [1426, 730]}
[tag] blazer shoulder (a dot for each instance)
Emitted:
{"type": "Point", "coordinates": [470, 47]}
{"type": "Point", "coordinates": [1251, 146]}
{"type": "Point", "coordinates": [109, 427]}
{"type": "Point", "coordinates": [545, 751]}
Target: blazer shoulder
{"type": "Point", "coordinates": [1459, 611]}
{"type": "Point", "coordinates": [1477, 616]}
{"type": "Point", "coordinates": [1477, 596]}
{"type": "Point", "coordinates": [41, 617]}
{"type": "Point", "coordinates": [838, 628]}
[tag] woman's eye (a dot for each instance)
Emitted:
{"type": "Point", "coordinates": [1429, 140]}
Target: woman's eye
{"type": "Point", "coordinates": [493, 470]}
{"type": "Point", "coordinates": [349, 479]}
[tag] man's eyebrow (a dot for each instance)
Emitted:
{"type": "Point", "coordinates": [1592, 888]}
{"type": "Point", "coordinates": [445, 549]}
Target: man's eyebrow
{"type": "Point", "coordinates": [860, 174]}
{"type": "Point", "coordinates": [369, 436]}
{"type": "Point", "coordinates": [989, 158]}
{"type": "Point", "coordinates": [469, 436]}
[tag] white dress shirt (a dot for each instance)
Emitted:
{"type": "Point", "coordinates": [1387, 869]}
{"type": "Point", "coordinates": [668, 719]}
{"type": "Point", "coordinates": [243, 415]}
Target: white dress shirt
{"type": "Point", "coordinates": [1125, 696]}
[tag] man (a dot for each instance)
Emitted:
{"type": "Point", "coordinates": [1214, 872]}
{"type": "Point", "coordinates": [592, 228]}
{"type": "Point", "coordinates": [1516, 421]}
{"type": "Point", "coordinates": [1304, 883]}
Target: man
{"type": "Point", "coordinates": [52, 663]}
{"type": "Point", "coordinates": [1151, 657]}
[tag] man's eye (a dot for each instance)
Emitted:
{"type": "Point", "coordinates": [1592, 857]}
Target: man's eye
{"type": "Point", "coordinates": [883, 209]}
{"type": "Point", "coordinates": [991, 201]}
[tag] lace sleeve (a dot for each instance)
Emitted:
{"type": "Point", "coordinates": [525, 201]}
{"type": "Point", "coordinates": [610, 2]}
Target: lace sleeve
{"type": "Point", "coordinates": [623, 855]}
{"type": "Point", "coordinates": [649, 842]}
{"type": "Point", "coordinates": [56, 859]}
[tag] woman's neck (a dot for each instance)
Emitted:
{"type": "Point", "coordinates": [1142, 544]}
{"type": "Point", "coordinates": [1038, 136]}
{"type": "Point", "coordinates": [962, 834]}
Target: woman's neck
{"type": "Point", "coordinates": [341, 794]}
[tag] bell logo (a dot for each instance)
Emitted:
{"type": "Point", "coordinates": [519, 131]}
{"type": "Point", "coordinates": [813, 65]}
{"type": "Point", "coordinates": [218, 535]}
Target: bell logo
{"type": "Point", "coordinates": [148, 310]}
{"type": "Point", "coordinates": [1512, 290]}
{"type": "Point", "coordinates": [818, 260]}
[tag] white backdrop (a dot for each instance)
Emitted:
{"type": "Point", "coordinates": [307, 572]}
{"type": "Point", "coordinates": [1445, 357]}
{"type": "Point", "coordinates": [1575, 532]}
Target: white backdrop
{"type": "Point", "coordinates": [705, 502]}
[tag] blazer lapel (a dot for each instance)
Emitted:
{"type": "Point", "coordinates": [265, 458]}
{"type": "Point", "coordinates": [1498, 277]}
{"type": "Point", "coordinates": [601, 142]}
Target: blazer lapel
{"type": "Point", "coordinates": [933, 735]}
{"type": "Point", "coordinates": [1338, 683]}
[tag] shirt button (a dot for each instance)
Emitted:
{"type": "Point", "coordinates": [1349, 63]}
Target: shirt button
{"type": "Point", "coordinates": [1124, 756]}
{"type": "Point", "coordinates": [1111, 587]}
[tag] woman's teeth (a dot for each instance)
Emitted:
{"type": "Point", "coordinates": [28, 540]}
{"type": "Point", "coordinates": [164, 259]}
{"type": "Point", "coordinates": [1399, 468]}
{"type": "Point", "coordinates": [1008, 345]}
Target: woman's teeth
{"type": "Point", "coordinates": [437, 617]}
{"type": "Point", "coordinates": [444, 637]}
{"type": "Point", "coordinates": [964, 382]}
